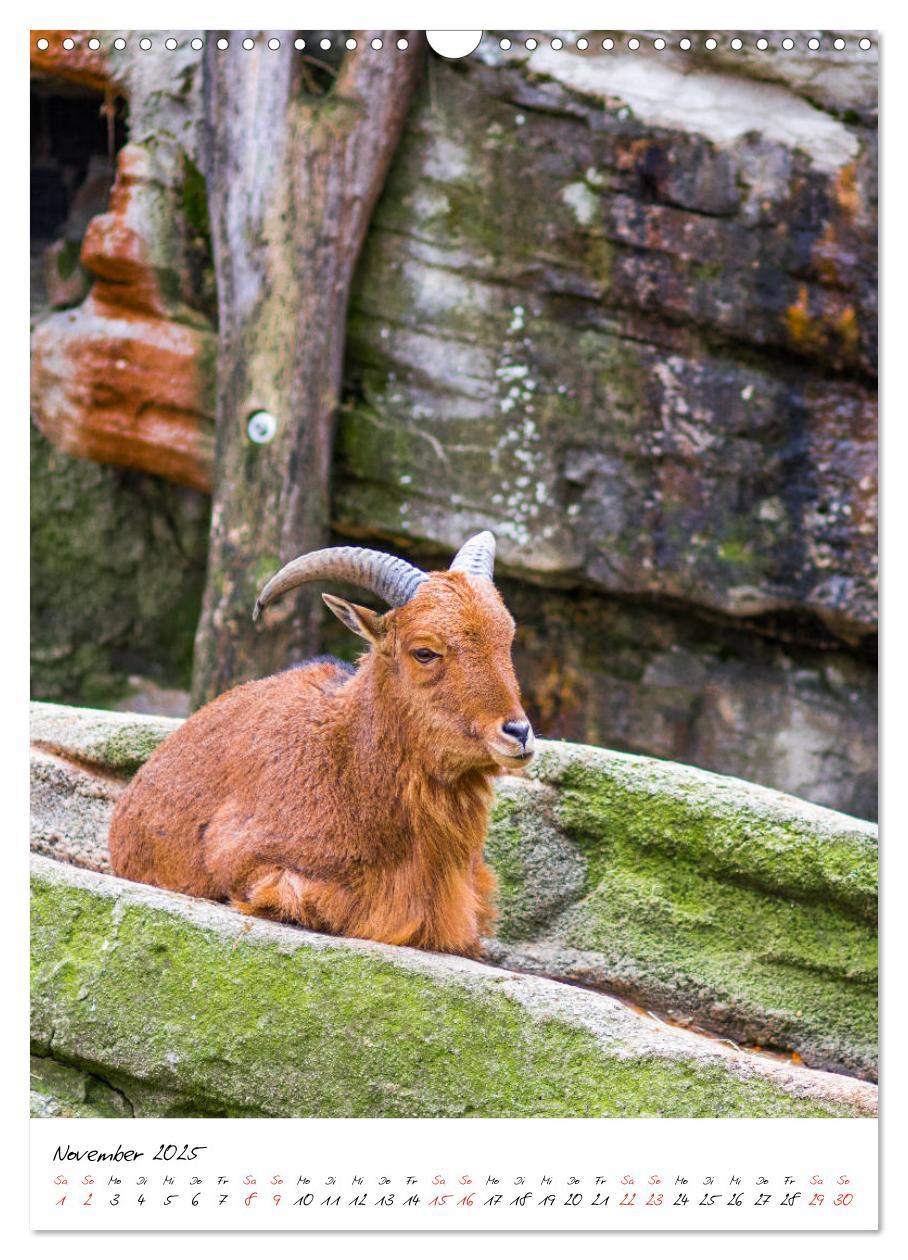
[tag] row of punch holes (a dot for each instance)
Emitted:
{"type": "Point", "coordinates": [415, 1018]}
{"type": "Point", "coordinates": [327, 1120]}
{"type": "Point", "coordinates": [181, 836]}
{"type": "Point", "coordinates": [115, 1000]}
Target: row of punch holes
{"type": "Point", "coordinates": [582, 44]}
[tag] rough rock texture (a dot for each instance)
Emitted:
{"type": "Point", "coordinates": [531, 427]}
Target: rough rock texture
{"type": "Point", "coordinates": [71, 807]}
{"type": "Point", "coordinates": [66, 280]}
{"type": "Point", "coordinates": [603, 670]}
{"type": "Point", "coordinates": [186, 1008]}
{"type": "Point", "coordinates": [621, 309]}
{"type": "Point", "coordinates": [127, 376]}
{"type": "Point", "coordinates": [118, 558]}
{"type": "Point", "coordinates": [718, 903]}
{"type": "Point", "coordinates": [640, 393]}
{"type": "Point", "coordinates": [79, 64]}
{"type": "Point", "coordinates": [117, 566]}
{"type": "Point", "coordinates": [841, 81]}
{"type": "Point", "coordinates": [60, 1090]}
{"type": "Point", "coordinates": [80, 762]}
{"type": "Point", "coordinates": [714, 901]}
{"type": "Point", "coordinates": [115, 742]}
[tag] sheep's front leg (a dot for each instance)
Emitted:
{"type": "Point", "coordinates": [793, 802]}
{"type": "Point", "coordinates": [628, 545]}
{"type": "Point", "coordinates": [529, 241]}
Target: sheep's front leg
{"type": "Point", "coordinates": [279, 892]}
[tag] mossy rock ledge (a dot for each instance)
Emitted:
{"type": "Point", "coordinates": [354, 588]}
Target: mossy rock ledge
{"type": "Point", "coordinates": [172, 1006]}
{"type": "Point", "coordinates": [707, 899]}
{"type": "Point", "coordinates": [714, 901]}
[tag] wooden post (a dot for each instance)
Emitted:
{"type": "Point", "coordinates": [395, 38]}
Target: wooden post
{"type": "Point", "coordinates": [293, 177]}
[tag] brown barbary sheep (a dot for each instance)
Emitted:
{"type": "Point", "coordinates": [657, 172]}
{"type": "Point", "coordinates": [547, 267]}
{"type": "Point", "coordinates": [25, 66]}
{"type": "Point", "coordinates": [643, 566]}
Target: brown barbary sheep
{"type": "Point", "coordinates": [348, 801]}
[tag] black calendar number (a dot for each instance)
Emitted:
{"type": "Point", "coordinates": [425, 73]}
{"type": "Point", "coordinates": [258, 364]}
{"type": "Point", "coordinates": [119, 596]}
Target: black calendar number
{"type": "Point", "coordinates": [173, 1152]}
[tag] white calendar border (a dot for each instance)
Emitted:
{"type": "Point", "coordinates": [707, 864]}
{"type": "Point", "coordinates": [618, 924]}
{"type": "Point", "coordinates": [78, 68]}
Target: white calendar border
{"type": "Point", "coordinates": [13, 503]}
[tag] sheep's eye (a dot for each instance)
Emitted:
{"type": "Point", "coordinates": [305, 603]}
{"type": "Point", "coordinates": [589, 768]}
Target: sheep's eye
{"type": "Point", "coordinates": [424, 655]}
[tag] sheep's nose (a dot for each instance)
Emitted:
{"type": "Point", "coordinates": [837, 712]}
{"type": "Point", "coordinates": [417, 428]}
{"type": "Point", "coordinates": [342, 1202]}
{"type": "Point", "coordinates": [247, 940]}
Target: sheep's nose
{"type": "Point", "coordinates": [518, 730]}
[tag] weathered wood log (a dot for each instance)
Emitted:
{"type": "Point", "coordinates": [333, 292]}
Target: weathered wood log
{"type": "Point", "coordinates": [292, 179]}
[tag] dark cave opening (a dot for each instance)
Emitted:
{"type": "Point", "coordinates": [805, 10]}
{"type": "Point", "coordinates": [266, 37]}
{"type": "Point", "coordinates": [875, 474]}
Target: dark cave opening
{"type": "Point", "coordinates": [76, 133]}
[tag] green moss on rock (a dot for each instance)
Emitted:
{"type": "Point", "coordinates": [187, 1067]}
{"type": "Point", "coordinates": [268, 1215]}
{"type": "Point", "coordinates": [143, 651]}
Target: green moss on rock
{"type": "Point", "coordinates": [712, 899]}
{"type": "Point", "coordinates": [725, 826]}
{"type": "Point", "coordinates": [59, 1089]}
{"type": "Point", "coordinates": [195, 198]}
{"type": "Point", "coordinates": [68, 258]}
{"type": "Point", "coordinates": [194, 1010]}
{"type": "Point", "coordinates": [540, 871]}
{"type": "Point", "coordinates": [117, 571]}
{"type": "Point", "coordinates": [128, 749]}
{"type": "Point", "coordinates": [119, 742]}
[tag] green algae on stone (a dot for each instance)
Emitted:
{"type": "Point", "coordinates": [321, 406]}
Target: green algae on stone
{"type": "Point", "coordinates": [128, 750]}
{"type": "Point", "coordinates": [117, 570]}
{"type": "Point", "coordinates": [119, 742]}
{"type": "Point", "coordinates": [709, 898]}
{"type": "Point", "coordinates": [195, 200]}
{"type": "Point", "coordinates": [642, 877]}
{"type": "Point", "coordinates": [540, 871]}
{"type": "Point", "coordinates": [193, 1010]}
{"type": "Point", "coordinates": [68, 258]}
{"type": "Point", "coordinates": [62, 1090]}
{"type": "Point", "coordinates": [769, 971]}
{"type": "Point", "coordinates": [727, 826]}
{"type": "Point", "coordinates": [503, 846]}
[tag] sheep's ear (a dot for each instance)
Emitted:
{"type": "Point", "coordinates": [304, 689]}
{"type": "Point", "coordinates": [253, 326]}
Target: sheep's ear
{"type": "Point", "coordinates": [362, 621]}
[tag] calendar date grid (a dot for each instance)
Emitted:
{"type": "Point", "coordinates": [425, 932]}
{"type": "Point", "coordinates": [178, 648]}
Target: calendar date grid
{"type": "Point", "coordinates": [251, 1191]}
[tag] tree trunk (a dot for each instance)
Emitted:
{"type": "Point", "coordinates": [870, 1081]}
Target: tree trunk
{"type": "Point", "coordinates": [292, 180]}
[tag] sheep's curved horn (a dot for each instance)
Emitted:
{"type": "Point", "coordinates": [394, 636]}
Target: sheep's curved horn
{"type": "Point", "coordinates": [393, 580]}
{"type": "Point", "coordinates": [477, 556]}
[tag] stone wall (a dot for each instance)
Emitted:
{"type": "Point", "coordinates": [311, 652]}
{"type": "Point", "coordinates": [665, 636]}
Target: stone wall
{"type": "Point", "coordinates": [638, 343]}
